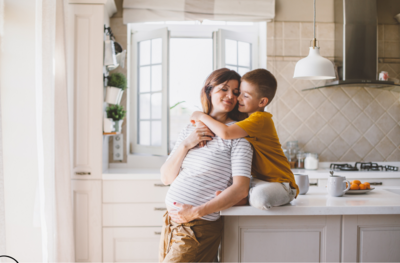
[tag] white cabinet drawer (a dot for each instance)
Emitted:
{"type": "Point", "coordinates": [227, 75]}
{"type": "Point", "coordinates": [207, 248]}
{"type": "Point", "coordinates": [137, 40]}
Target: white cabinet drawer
{"type": "Point", "coordinates": [133, 214]}
{"type": "Point", "coordinates": [131, 244]}
{"type": "Point", "coordinates": [134, 191]}
{"type": "Point", "coordinates": [373, 181]}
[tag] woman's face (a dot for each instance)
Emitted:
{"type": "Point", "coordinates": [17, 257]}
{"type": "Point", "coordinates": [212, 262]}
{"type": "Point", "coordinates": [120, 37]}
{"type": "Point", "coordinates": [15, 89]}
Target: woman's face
{"type": "Point", "coordinates": [224, 96]}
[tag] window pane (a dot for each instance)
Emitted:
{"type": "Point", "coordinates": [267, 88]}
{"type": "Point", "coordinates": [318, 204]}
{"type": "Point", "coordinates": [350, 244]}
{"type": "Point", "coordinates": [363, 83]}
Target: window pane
{"type": "Point", "coordinates": [156, 50]}
{"type": "Point", "coordinates": [156, 133]}
{"type": "Point", "coordinates": [144, 133]}
{"type": "Point", "coordinates": [156, 78]}
{"type": "Point", "coordinates": [243, 71]}
{"type": "Point", "coordinates": [156, 106]}
{"type": "Point", "coordinates": [191, 63]}
{"type": "Point", "coordinates": [232, 68]}
{"type": "Point", "coordinates": [144, 52]}
{"type": "Point", "coordinates": [230, 52]}
{"type": "Point", "coordinates": [144, 79]}
{"type": "Point", "coordinates": [244, 54]}
{"type": "Point", "coordinates": [144, 102]}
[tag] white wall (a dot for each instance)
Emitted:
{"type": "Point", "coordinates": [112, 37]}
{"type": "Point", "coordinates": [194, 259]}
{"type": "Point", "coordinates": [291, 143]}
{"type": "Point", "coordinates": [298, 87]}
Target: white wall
{"type": "Point", "coordinates": [17, 76]}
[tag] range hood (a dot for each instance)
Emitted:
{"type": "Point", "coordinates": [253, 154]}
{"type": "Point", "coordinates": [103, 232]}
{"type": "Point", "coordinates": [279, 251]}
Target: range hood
{"type": "Point", "coordinates": [356, 46]}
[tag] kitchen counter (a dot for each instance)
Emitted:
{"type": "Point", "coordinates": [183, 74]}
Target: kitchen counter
{"type": "Point", "coordinates": [316, 228]}
{"type": "Point", "coordinates": [132, 174]}
{"type": "Point", "coordinates": [317, 202]}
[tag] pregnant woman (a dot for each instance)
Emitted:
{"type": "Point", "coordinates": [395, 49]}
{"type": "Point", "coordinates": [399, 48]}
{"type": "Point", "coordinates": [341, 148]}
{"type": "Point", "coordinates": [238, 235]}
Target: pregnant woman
{"type": "Point", "coordinates": [192, 227]}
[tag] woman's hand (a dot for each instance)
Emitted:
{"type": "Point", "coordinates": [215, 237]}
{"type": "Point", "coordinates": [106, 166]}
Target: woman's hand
{"type": "Point", "coordinates": [201, 133]}
{"type": "Point", "coordinates": [196, 115]}
{"type": "Point", "coordinates": [186, 213]}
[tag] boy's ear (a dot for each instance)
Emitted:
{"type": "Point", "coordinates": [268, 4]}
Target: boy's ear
{"type": "Point", "coordinates": [263, 102]}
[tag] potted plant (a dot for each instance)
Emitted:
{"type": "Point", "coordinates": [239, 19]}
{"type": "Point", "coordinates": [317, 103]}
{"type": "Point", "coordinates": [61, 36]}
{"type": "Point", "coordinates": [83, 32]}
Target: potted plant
{"type": "Point", "coordinates": [115, 88]}
{"type": "Point", "coordinates": [117, 113]}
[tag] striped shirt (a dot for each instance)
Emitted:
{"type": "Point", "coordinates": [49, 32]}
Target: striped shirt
{"type": "Point", "coordinates": [209, 169]}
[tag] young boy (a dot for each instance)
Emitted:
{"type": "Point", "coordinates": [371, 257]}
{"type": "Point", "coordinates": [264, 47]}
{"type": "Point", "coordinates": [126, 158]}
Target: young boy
{"type": "Point", "coordinates": [273, 182]}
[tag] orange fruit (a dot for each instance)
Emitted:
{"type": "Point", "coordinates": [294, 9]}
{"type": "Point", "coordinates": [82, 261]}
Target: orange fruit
{"type": "Point", "coordinates": [367, 185]}
{"type": "Point", "coordinates": [354, 187]}
{"type": "Point", "coordinates": [362, 186]}
{"type": "Point", "coordinates": [356, 182]}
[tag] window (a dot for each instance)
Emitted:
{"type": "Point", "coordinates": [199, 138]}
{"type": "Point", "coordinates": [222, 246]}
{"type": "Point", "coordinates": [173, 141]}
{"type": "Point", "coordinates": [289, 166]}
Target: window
{"type": "Point", "coordinates": [168, 67]}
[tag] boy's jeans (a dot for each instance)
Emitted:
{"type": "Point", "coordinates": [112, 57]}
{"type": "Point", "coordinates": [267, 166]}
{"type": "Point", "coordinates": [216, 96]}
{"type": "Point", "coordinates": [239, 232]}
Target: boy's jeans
{"type": "Point", "coordinates": [264, 195]}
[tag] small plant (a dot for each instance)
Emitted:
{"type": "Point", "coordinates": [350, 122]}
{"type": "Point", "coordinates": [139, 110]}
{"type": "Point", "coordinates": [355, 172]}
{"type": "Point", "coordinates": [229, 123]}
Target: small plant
{"type": "Point", "coordinates": [116, 112]}
{"type": "Point", "coordinates": [117, 80]}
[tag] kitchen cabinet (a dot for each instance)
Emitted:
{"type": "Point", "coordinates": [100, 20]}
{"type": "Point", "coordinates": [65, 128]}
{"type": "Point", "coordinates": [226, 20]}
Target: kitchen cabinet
{"type": "Point", "coordinates": [317, 228]}
{"type": "Point", "coordinates": [86, 196]}
{"type": "Point", "coordinates": [84, 43]}
{"type": "Point", "coordinates": [85, 39]}
{"type": "Point", "coordinates": [281, 239]}
{"type": "Point", "coordinates": [132, 219]}
{"type": "Point", "coordinates": [371, 238]}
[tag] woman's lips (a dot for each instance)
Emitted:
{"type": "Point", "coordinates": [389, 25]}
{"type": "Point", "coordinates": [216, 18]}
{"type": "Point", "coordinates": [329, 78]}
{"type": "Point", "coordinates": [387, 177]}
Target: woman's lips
{"type": "Point", "coordinates": [228, 102]}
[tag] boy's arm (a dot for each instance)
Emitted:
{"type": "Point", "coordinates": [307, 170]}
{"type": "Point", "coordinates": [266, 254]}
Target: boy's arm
{"type": "Point", "coordinates": [220, 129]}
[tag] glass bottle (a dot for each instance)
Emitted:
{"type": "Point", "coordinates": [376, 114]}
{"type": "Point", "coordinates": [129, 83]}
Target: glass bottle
{"type": "Point", "coordinates": [292, 149]}
{"type": "Point", "coordinates": [300, 160]}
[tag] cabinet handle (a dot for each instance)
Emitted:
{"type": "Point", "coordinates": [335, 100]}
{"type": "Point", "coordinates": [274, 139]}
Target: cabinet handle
{"type": "Point", "coordinates": [157, 233]}
{"type": "Point", "coordinates": [312, 184]}
{"type": "Point", "coordinates": [82, 173]}
{"type": "Point", "coordinates": [160, 208]}
{"type": "Point", "coordinates": [376, 183]}
{"type": "Point", "coordinates": [160, 185]}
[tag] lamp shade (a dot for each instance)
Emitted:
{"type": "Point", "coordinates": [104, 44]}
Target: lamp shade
{"type": "Point", "coordinates": [314, 66]}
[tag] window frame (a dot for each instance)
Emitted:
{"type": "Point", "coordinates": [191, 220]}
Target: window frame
{"type": "Point", "coordinates": [133, 112]}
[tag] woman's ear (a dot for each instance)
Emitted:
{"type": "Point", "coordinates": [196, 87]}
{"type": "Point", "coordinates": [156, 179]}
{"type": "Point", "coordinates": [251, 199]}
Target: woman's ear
{"type": "Point", "coordinates": [263, 102]}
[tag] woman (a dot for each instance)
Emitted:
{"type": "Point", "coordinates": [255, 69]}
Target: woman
{"type": "Point", "coordinates": [192, 227]}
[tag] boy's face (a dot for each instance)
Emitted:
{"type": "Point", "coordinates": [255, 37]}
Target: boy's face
{"type": "Point", "coordinates": [248, 100]}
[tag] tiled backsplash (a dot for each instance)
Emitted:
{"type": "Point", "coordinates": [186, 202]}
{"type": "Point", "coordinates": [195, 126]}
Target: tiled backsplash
{"type": "Point", "coordinates": [341, 124]}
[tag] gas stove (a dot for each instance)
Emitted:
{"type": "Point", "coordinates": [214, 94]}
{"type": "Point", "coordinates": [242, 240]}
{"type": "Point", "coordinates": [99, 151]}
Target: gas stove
{"type": "Point", "coordinates": [362, 166]}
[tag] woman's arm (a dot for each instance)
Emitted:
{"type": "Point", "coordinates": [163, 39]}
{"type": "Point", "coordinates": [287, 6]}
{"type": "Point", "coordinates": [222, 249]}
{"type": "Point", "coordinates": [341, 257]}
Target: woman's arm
{"type": "Point", "coordinates": [228, 198]}
{"type": "Point", "coordinates": [170, 169]}
{"type": "Point", "coordinates": [220, 129]}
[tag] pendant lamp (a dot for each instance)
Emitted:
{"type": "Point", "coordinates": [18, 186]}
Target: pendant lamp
{"type": "Point", "coordinates": [314, 66]}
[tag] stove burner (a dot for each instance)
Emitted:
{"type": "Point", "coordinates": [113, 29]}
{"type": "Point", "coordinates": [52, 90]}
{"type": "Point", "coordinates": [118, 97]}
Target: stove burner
{"type": "Point", "coordinates": [363, 166]}
{"type": "Point", "coordinates": [343, 167]}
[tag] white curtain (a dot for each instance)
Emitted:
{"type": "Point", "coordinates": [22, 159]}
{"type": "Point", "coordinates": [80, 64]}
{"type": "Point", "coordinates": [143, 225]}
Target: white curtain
{"type": "Point", "coordinates": [54, 202]}
{"type": "Point", "coordinates": [178, 10]}
{"type": "Point", "coordinates": [2, 202]}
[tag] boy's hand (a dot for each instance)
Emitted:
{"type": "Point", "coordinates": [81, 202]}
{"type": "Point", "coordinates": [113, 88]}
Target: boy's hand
{"type": "Point", "coordinates": [199, 125]}
{"type": "Point", "coordinates": [196, 115]}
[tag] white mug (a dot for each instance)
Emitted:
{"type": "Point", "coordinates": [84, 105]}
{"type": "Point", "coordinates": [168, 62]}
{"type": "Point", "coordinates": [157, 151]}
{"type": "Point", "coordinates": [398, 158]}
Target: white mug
{"type": "Point", "coordinates": [302, 182]}
{"type": "Point", "coordinates": [335, 185]}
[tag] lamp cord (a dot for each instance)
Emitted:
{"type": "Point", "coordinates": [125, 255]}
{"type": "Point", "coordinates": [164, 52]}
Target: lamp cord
{"type": "Point", "coordinates": [314, 18]}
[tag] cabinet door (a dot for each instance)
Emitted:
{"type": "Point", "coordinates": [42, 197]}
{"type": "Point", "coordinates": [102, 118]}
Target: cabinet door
{"type": "Point", "coordinates": [281, 239]}
{"type": "Point", "coordinates": [85, 69]}
{"type": "Point", "coordinates": [131, 244]}
{"type": "Point", "coordinates": [87, 220]}
{"type": "Point", "coordinates": [372, 238]}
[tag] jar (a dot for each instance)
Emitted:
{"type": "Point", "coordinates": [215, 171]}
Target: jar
{"type": "Point", "coordinates": [292, 149]}
{"type": "Point", "coordinates": [311, 161]}
{"type": "Point", "coordinates": [300, 160]}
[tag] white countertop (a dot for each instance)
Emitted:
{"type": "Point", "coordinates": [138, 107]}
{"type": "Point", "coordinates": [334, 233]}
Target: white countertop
{"type": "Point", "coordinates": [132, 174]}
{"type": "Point", "coordinates": [324, 174]}
{"type": "Point", "coordinates": [317, 202]}
{"type": "Point", "coordinates": [321, 173]}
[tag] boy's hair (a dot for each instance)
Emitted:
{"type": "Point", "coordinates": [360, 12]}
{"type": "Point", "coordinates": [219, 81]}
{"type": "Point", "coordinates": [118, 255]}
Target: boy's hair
{"type": "Point", "coordinates": [264, 81]}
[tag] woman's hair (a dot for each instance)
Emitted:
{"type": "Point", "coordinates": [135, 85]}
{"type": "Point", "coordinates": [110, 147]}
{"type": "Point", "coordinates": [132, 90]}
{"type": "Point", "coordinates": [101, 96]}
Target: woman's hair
{"type": "Point", "coordinates": [217, 77]}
